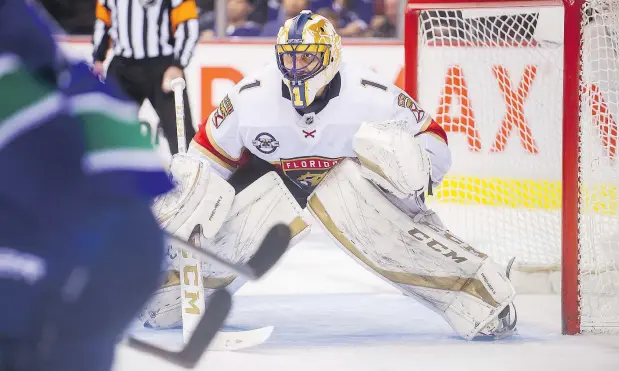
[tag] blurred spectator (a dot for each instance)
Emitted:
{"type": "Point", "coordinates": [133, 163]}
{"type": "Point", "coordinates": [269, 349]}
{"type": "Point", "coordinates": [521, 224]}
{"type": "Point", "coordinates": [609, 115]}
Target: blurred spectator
{"type": "Point", "coordinates": [237, 12]}
{"type": "Point", "coordinates": [262, 10]}
{"type": "Point", "coordinates": [385, 25]}
{"type": "Point", "coordinates": [238, 23]}
{"type": "Point", "coordinates": [74, 17]}
{"type": "Point", "coordinates": [206, 5]}
{"type": "Point", "coordinates": [364, 9]}
{"type": "Point", "coordinates": [289, 9]}
{"type": "Point", "coordinates": [206, 14]}
{"type": "Point", "coordinates": [273, 10]}
{"type": "Point", "coordinates": [331, 16]}
{"type": "Point", "coordinates": [350, 23]}
{"type": "Point", "coordinates": [206, 21]}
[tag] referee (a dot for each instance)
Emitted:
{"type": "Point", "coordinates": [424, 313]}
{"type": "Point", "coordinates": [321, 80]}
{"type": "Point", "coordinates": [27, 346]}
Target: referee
{"type": "Point", "coordinates": [152, 41]}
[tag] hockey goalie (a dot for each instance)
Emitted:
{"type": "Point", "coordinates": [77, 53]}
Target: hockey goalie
{"type": "Point", "coordinates": [358, 153]}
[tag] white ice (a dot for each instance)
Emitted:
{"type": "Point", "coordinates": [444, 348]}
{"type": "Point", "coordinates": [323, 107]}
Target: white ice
{"type": "Point", "coordinates": [330, 314]}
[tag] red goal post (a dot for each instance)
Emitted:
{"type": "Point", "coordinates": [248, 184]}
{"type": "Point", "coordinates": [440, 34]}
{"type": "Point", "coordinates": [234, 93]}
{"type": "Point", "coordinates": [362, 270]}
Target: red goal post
{"type": "Point", "coordinates": [416, 43]}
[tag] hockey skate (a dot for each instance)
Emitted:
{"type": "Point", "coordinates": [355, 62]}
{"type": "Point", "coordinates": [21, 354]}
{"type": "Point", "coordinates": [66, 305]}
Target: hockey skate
{"type": "Point", "coordinates": [505, 324]}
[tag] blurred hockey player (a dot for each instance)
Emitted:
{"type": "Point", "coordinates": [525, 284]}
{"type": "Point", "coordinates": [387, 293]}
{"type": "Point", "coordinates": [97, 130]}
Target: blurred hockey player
{"type": "Point", "coordinates": [360, 154]}
{"type": "Point", "coordinates": [80, 250]}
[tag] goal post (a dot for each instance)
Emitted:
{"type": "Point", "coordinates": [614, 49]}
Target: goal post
{"type": "Point", "coordinates": [570, 290]}
{"type": "Point", "coordinates": [529, 93]}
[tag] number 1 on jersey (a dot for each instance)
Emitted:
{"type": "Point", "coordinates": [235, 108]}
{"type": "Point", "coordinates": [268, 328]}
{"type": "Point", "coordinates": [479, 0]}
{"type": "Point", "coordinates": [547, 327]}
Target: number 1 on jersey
{"type": "Point", "coordinates": [296, 92]}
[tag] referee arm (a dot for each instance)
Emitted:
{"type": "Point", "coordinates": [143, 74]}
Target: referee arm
{"type": "Point", "coordinates": [184, 22]}
{"type": "Point", "coordinates": [101, 37]}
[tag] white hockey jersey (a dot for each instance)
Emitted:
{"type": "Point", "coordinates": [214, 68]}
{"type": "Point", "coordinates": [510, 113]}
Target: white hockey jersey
{"type": "Point", "coordinates": [257, 116]}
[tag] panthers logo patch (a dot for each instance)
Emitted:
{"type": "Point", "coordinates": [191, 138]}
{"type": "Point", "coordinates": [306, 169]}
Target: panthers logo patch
{"type": "Point", "coordinates": [308, 172]}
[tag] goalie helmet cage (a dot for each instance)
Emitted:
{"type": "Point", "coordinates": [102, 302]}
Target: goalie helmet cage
{"type": "Point", "coordinates": [530, 92]}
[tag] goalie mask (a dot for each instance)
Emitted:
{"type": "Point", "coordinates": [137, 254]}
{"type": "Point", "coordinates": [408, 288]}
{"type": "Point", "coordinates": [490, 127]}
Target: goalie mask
{"type": "Point", "coordinates": [308, 55]}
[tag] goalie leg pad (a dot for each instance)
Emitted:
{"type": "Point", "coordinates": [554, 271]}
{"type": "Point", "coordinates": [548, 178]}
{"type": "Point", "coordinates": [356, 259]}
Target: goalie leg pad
{"type": "Point", "coordinates": [417, 257]}
{"type": "Point", "coordinates": [255, 210]}
{"type": "Point", "coordinates": [163, 310]}
{"type": "Point", "coordinates": [467, 309]}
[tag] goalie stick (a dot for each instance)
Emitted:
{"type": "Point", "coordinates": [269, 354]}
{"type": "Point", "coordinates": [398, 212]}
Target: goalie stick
{"type": "Point", "coordinates": [237, 340]}
{"type": "Point", "coordinates": [257, 266]}
{"type": "Point", "coordinates": [192, 286]}
{"type": "Point", "coordinates": [207, 330]}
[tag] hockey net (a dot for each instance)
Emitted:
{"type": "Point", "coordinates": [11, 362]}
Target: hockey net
{"type": "Point", "coordinates": [531, 113]}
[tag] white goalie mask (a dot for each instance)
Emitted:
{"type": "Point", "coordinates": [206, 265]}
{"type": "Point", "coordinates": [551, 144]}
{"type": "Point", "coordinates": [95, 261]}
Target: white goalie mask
{"type": "Point", "coordinates": [309, 52]}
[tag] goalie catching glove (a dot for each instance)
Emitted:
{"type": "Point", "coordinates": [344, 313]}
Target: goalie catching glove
{"type": "Point", "coordinates": [393, 158]}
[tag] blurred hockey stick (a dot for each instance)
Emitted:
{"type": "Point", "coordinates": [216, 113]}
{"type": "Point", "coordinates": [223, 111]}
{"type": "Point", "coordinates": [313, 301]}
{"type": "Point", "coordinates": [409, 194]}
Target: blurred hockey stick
{"type": "Point", "coordinates": [214, 316]}
{"type": "Point", "coordinates": [269, 252]}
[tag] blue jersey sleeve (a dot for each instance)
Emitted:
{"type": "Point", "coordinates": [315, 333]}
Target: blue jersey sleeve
{"type": "Point", "coordinates": [115, 150]}
{"type": "Point", "coordinates": [25, 34]}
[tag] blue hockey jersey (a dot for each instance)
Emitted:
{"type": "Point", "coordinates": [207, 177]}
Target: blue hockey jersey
{"type": "Point", "coordinates": [74, 169]}
{"type": "Point", "coordinates": [34, 75]}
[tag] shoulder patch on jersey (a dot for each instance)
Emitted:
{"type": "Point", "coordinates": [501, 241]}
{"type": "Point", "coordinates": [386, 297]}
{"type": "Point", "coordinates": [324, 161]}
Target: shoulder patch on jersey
{"type": "Point", "coordinates": [366, 83]}
{"type": "Point", "coordinates": [254, 84]}
{"type": "Point", "coordinates": [307, 172]}
{"type": "Point", "coordinates": [224, 110]}
{"type": "Point", "coordinates": [407, 102]}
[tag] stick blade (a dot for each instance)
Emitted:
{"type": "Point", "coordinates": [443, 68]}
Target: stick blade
{"type": "Point", "coordinates": [238, 340]}
{"type": "Point", "coordinates": [271, 249]}
{"type": "Point", "coordinates": [213, 319]}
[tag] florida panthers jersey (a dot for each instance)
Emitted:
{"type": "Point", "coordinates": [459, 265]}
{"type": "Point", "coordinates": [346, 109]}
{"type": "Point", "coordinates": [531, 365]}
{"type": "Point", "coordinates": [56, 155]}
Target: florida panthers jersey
{"type": "Point", "coordinates": [257, 116]}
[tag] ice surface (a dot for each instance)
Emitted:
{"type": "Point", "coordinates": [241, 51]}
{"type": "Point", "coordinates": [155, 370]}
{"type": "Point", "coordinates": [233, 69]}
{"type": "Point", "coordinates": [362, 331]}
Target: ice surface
{"type": "Point", "coordinates": [330, 314]}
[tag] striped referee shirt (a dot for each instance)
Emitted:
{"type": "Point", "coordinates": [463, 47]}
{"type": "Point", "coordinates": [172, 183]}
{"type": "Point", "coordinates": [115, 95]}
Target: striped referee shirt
{"type": "Point", "coordinates": [140, 29]}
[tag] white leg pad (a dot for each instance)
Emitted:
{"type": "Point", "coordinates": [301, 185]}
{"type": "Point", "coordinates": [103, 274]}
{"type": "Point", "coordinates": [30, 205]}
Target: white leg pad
{"type": "Point", "coordinates": [419, 258]}
{"type": "Point", "coordinates": [466, 310]}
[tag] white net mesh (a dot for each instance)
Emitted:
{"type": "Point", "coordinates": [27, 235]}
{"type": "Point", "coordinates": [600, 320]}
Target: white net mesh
{"type": "Point", "coordinates": [487, 81]}
{"type": "Point", "coordinates": [599, 229]}
{"type": "Point", "coordinates": [493, 79]}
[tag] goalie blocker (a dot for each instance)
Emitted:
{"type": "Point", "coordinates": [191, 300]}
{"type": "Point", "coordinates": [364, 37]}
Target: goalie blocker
{"type": "Point", "coordinates": [232, 227]}
{"type": "Point", "coordinates": [404, 243]}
